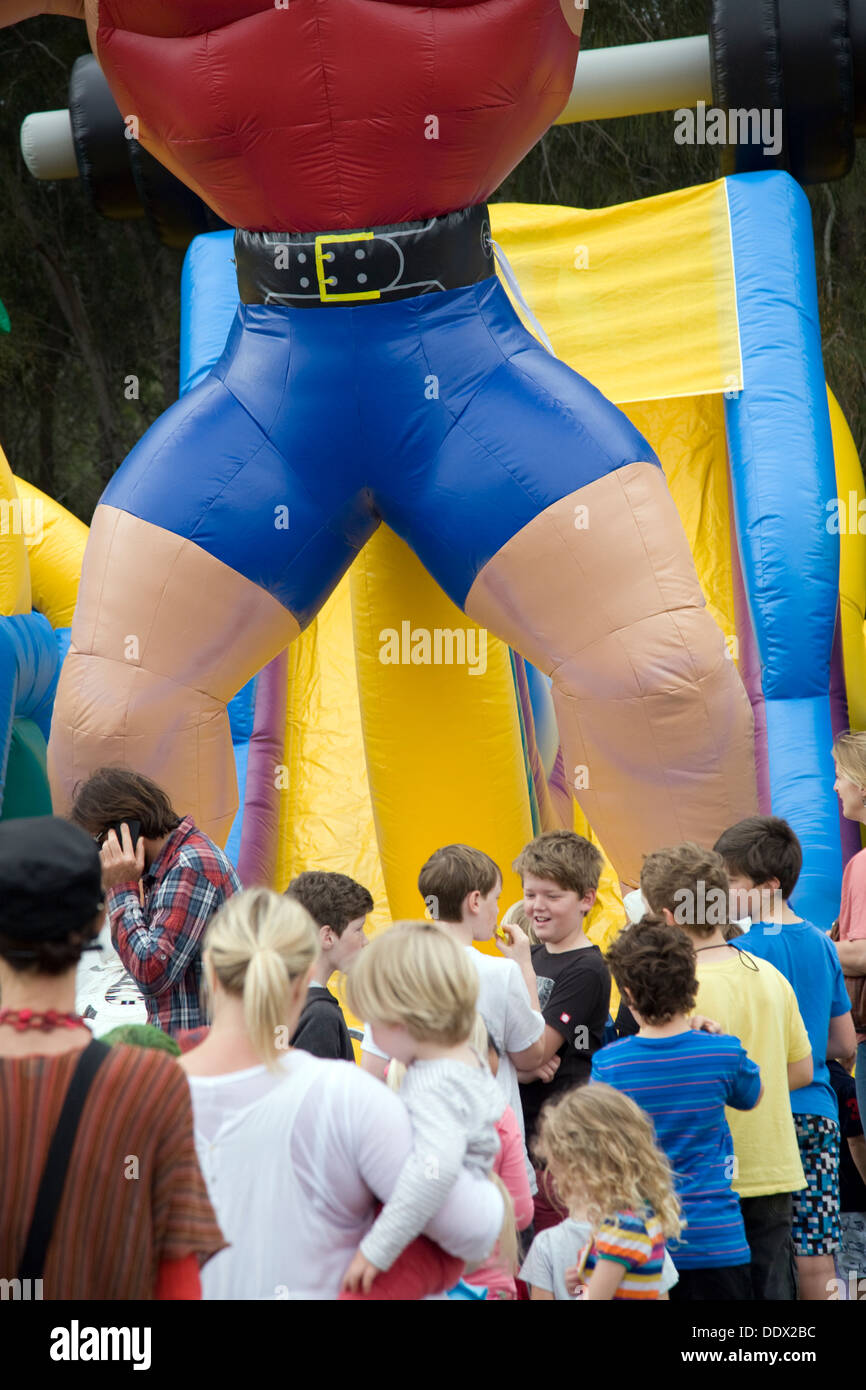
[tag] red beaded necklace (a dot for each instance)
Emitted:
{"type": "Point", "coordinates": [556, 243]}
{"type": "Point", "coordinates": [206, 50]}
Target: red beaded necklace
{"type": "Point", "coordinates": [22, 1019]}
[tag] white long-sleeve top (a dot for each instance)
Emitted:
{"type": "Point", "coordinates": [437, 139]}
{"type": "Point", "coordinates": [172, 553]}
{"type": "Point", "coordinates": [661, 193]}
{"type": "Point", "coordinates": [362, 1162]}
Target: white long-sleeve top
{"type": "Point", "coordinates": [294, 1163]}
{"type": "Point", "coordinates": [453, 1108]}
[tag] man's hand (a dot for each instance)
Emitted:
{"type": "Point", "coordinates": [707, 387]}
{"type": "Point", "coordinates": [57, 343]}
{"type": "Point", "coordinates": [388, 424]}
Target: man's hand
{"type": "Point", "coordinates": [514, 944]}
{"type": "Point", "coordinates": [121, 863]}
{"type": "Point", "coordinates": [360, 1274]}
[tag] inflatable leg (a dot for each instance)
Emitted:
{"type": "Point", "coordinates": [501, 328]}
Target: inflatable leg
{"type": "Point", "coordinates": [545, 515]}
{"type": "Point", "coordinates": [655, 724]}
{"type": "Point", "coordinates": [163, 636]}
{"type": "Point", "coordinates": [219, 538]}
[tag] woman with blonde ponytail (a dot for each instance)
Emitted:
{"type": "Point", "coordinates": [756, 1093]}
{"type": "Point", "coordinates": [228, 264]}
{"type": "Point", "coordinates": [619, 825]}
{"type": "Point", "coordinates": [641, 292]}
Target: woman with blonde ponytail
{"type": "Point", "coordinates": [849, 934]}
{"type": "Point", "coordinates": [296, 1150]}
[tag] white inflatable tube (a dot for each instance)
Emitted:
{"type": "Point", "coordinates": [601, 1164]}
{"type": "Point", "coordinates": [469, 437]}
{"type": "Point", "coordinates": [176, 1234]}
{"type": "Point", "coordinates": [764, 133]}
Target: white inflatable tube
{"type": "Point", "coordinates": [638, 78]}
{"type": "Point", "coordinates": [47, 145]}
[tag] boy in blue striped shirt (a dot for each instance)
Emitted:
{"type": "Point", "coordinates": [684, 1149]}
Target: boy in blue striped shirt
{"type": "Point", "coordinates": [683, 1080]}
{"type": "Point", "coordinates": [763, 858]}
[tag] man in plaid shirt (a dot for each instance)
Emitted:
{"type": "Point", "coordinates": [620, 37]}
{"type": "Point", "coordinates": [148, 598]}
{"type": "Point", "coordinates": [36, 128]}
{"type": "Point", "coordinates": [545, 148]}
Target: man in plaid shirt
{"type": "Point", "coordinates": [164, 880]}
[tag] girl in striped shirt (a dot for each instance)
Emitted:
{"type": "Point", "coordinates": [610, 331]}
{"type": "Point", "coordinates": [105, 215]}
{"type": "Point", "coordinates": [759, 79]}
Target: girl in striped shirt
{"type": "Point", "coordinates": [601, 1153]}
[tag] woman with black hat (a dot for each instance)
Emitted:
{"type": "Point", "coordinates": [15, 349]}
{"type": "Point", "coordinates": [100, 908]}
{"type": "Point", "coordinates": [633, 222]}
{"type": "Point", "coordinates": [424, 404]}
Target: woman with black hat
{"type": "Point", "coordinates": [101, 1194]}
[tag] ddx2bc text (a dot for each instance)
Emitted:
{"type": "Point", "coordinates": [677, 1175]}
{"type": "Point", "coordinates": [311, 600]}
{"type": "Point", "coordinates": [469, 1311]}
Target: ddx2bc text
{"type": "Point", "coordinates": [724, 1332]}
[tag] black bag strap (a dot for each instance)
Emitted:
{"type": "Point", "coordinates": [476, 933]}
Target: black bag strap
{"type": "Point", "coordinates": [54, 1173]}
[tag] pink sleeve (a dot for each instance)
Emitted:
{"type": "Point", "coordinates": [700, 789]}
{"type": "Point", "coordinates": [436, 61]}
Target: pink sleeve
{"type": "Point", "coordinates": [511, 1167]}
{"type": "Point", "coordinates": [852, 918]}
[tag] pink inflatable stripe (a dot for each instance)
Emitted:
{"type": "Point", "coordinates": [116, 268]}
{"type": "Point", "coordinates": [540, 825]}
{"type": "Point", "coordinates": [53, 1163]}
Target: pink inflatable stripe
{"type": "Point", "coordinates": [257, 860]}
{"type": "Point", "coordinates": [749, 666]}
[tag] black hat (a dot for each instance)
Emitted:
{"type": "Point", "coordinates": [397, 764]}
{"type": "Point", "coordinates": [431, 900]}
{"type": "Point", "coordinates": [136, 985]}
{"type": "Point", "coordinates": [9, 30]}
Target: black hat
{"type": "Point", "coordinates": [50, 879]}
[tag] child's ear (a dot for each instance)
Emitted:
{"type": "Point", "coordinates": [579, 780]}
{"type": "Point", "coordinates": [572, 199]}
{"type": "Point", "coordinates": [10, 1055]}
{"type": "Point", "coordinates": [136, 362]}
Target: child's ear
{"type": "Point", "coordinates": [326, 938]}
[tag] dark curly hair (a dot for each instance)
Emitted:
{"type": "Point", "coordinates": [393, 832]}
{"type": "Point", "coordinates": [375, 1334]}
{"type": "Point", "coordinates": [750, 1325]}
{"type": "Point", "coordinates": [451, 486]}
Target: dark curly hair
{"type": "Point", "coordinates": [113, 794]}
{"type": "Point", "coordinates": [332, 900]}
{"type": "Point", "coordinates": [656, 963]}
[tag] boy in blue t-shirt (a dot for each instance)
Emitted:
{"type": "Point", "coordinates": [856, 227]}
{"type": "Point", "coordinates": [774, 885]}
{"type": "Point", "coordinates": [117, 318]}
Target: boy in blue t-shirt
{"type": "Point", "coordinates": [683, 1080]}
{"type": "Point", "coordinates": [763, 858]}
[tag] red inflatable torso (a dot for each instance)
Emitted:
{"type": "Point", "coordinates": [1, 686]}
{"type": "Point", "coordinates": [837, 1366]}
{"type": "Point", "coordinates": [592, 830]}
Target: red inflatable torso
{"type": "Point", "coordinates": [338, 113]}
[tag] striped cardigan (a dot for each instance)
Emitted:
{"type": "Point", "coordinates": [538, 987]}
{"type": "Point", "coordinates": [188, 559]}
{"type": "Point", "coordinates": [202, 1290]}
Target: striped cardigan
{"type": "Point", "coordinates": [134, 1193]}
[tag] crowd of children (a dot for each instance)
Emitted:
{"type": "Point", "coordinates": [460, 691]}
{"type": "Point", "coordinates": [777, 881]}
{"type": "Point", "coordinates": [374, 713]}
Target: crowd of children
{"type": "Point", "coordinates": [487, 1129]}
{"type": "Point", "coordinates": [691, 1151]}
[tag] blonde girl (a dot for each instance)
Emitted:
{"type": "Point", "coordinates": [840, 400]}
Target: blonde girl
{"type": "Point", "coordinates": [601, 1151]}
{"type": "Point", "coordinates": [418, 991]}
{"type": "Point", "coordinates": [295, 1150]}
{"type": "Point", "coordinates": [849, 756]}
{"type": "Point", "coordinates": [497, 1272]}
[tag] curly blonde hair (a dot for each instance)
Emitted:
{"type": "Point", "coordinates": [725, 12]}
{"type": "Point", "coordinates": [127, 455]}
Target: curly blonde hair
{"type": "Point", "coordinates": [601, 1151]}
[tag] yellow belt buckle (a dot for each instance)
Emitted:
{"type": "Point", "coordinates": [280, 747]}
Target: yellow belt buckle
{"type": "Point", "coordinates": [324, 293]}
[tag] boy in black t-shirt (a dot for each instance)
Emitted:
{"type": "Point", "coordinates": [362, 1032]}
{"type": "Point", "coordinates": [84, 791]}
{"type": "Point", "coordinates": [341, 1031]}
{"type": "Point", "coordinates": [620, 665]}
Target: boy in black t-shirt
{"type": "Point", "coordinates": [339, 907]}
{"type": "Point", "coordinates": [560, 872]}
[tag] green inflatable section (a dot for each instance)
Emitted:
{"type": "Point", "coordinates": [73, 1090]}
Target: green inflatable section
{"type": "Point", "coordinates": [26, 791]}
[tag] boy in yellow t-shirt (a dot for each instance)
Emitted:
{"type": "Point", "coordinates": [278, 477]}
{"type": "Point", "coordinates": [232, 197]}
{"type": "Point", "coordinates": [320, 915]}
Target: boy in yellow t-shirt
{"type": "Point", "coordinates": [752, 1000]}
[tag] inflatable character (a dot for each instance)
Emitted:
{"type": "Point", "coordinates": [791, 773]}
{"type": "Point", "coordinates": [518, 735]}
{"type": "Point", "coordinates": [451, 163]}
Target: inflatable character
{"type": "Point", "coordinates": [376, 371]}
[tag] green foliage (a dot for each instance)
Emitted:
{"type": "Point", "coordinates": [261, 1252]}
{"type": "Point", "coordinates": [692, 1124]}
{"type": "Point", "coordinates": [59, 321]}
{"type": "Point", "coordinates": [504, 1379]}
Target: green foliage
{"type": "Point", "coordinates": [93, 302]}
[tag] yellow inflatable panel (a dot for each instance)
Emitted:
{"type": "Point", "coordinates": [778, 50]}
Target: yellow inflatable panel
{"type": "Point", "coordinates": [55, 544]}
{"type": "Point", "coordinates": [852, 563]}
{"type": "Point", "coordinates": [443, 739]}
{"type": "Point", "coordinates": [639, 298]}
{"type": "Point", "coordinates": [326, 816]}
{"type": "Point", "coordinates": [15, 594]}
{"type": "Point", "coordinates": [689, 438]}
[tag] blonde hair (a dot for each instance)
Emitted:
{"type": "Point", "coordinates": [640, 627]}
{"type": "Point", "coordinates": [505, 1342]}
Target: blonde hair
{"type": "Point", "coordinates": [520, 917]}
{"type": "Point", "coordinates": [508, 1242]}
{"type": "Point", "coordinates": [259, 944]}
{"type": "Point", "coordinates": [601, 1152]}
{"type": "Point", "coordinates": [416, 976]}
{"type": "Point", "coordinates": [849, 752]}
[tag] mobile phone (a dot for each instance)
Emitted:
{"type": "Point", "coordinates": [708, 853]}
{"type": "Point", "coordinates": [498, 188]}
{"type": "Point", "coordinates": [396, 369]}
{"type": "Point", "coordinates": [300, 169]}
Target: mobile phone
{"type": "Point", "coordinates": [134, 830]}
